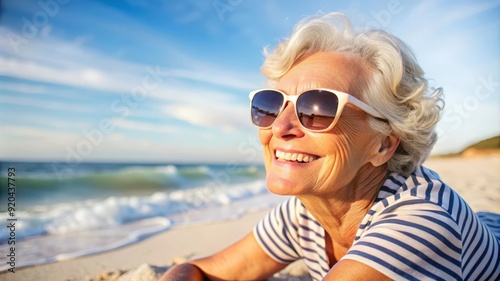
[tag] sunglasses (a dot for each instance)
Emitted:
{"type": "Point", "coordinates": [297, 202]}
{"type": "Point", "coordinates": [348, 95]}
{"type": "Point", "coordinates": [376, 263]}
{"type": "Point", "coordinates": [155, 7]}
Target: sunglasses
{"type": "Point", "coordinates": [317, 110]}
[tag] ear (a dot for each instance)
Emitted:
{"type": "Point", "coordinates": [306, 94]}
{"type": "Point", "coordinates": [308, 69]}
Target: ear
{"type": "Point", "coordinates": [386, 148]}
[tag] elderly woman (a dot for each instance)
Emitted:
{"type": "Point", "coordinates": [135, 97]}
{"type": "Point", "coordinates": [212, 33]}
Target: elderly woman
{"type": "Point", "coordinates": [345, 124]}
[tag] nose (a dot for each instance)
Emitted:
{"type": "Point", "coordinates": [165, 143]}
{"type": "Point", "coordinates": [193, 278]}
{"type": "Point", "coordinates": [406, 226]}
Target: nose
{"type": "Point", "coordinates": [287, 125]}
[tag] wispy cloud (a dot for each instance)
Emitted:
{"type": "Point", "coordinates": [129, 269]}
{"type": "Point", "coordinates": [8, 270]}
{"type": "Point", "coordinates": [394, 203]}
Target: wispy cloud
{"type": "Point", "coordinates": [225, 117]}
{"type": "Point", "coordinates": [23, 88]}
{"type": "Point", "coordinates": [143, 126]}
{"type": "Point", "coordinates": [38, 134]}
{"type": "Point", "coordinates": [468, 10]}
{"type": "Point", "coordinates": [49, 105]}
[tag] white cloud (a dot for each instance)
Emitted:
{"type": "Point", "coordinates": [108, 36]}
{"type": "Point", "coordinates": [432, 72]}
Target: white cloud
{"type": "Point", "coordinates": [225, 117]}
{"type": "Point", "coordinates": [143, 126]}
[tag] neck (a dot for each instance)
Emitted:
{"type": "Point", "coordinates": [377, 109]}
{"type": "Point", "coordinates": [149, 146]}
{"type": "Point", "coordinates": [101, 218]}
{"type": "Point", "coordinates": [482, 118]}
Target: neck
{"type": "Point", "coordinates": [341, 213]}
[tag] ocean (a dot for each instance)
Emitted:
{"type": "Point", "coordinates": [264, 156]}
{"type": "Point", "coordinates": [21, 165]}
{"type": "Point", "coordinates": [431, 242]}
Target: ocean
{"type": "Point", "coordinates": [55, 211]}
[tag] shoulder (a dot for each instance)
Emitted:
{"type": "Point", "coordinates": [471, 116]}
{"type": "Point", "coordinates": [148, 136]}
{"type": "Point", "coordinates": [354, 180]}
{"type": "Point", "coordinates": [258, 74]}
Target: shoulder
{"type": "Point", "coordinates": [423, 186]}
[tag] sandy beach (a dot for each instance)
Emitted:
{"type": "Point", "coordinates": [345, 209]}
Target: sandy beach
{"type": "Point", "coordinates": [475, 178]}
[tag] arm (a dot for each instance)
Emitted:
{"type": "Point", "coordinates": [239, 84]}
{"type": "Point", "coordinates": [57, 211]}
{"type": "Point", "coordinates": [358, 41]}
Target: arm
{"type": "Point", "coordinates": [244, 260]}
{"type": "Point", "coordinates": [350, 270]}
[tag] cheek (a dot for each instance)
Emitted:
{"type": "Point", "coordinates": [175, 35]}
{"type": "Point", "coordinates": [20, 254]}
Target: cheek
{"type": "Point", "coordinates": [265, 139]}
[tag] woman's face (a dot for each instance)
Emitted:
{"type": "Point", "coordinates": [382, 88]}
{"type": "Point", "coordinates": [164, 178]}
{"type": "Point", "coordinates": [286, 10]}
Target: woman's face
{"type": "Point", "coordinates": [339, 153]}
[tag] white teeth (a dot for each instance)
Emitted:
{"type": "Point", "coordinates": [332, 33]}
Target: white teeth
{"type": "Point", "coordinates": [287, 156]}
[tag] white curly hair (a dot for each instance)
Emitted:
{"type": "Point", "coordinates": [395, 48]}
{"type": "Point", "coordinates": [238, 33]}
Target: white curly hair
{"type": "Point", "coordinates": [396, 85]}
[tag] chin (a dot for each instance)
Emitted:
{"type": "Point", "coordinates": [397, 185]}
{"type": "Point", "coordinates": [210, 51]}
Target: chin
{"type": "Point", "coordinates": [282, 187]}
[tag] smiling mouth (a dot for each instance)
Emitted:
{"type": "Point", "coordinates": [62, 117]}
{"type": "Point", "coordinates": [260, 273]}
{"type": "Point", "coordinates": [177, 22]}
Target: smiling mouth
{"type": "Point", "coordinates": [295, 157]}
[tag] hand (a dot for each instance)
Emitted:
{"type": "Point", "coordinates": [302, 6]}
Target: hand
{"type": "Point", "coordinates": [185, 271]}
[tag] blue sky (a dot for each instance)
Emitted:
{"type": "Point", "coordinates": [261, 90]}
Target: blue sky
{"type": "Point", "coordinates": [167, 81]}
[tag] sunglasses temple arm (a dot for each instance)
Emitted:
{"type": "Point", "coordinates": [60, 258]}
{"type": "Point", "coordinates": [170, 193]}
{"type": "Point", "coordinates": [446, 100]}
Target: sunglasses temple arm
{"type": "Point", "coordinates": [366, 108]}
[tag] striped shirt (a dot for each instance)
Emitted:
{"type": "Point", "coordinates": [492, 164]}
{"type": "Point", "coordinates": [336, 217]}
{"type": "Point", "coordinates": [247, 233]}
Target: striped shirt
{"type": "Point", "coordinates": [417, 229]}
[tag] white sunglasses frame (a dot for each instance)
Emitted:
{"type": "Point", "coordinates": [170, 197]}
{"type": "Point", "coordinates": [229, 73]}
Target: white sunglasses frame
{"type": "Point", "coordinates": [343, 99]}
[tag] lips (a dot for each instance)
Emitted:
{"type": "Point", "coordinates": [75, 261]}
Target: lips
{"type": "Point", "coordinates": [295, 157]}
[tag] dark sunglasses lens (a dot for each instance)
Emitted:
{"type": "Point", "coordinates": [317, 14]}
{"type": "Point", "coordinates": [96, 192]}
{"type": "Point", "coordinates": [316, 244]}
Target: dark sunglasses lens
{"type": "Point", "coordinates": [266, 106]}
{"type": "Point", "coordinates": [317, 109]}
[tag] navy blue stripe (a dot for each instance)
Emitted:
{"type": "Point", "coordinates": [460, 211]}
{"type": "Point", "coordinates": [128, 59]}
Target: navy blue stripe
{"type": "Point", "coordinates": [415, 201]}
{"type": "Point", "coordinates": [466, 222]}
{"type": "Point", "coordinates": [496, 271]}
{"type": "Point", "coordinates": [450, 229]}
{"type": "Point", "coordinates": [363, 226]}
{"type": "Point", "coordinates": [310, 219]}
{"type": "Point", "coordinates": [307, 239]}
{"type": "Point", "coordinates": [413, 191]}
{"type": "Point", "coordinates": [441, 195]}
{"type": "Point", "coordinates": [404, 185]}
{"type": "Point", "coordinates": [395, 181]}
{"type": "Point", "coordinates": [281, 236]}
{"type": "Point", "coordinates": [295, 228]}
{"type": "Point", "coordinates": [312, 241]}
{"type": "Point", "coordinates": [428, 193]}
{"type": "Point", "coordinates": [290, 215]}
{"type": "Point", "coordinates": [433, 247]}
{"type": "Point", "coordinates": [271, 251]}
{"type": "Point", "coordinates": [459, 213]}
{"type": "Point", "coordinates": [388, 189]}
{"type": "Point", "coordinates": [384, 202]}
{"type": "Point", "coordinates": [415, 180]}
{"type": "Point", "coordinates": [312, 269]}
{"type": "Point", "coordinates": [476, 228]}
{"type": "Point", "coordinates": [478, 245]}
{"type": "Point", "coordinates": [415, 251]}
{"type": "Point", "coordinates": [314, 252]}
{"type": "Point", "coordinates": [483, 272]}
{"type": "Point", "coordinates": [397, 196]}
{"type": "Point", "coordinates": [451, 204]}
{"type": "Point", "coordinates": [430, 184]}
{"type": "Point", "coordinates": [383, 263]}
{"type": "Point", "coordinates": [306, 228]}
{"type": "Point", "coordinates": [423, 228]}
{"type": "Point", "coordinates": [400, 258]}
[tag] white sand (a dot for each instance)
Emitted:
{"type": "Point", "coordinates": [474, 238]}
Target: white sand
{"type": "Point", "coordinates": [476, 179]}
